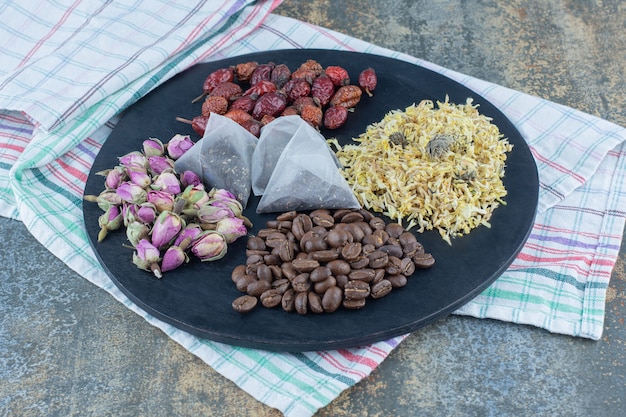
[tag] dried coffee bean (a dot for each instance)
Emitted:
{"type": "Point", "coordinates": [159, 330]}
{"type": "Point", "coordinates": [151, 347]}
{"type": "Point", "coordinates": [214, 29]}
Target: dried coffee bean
{"type": "Point", "coordinates": [394, 230]}
{"type": "Point", "coordinates": [288, 300]}
{"type": "Point", "coordinates": [301, 302]}
{"type": "Point", "coordinates": [320, 274]}
{"type": "Point", "coordinates": [277, 271]}
{"type": "Point", "coordinates": [338, 214]}
{"type": "Point", "coordinates": [392, 250]}
{"type": "Point", "coordinates": [353, 304]}
{"type": "Point", "coordinates": [332, 298]}
{"type": "Point", "coordinates": [258, 287]}
{"type": "Point", "coordinates": [290, 215]}
{"type": "Point", "coordinates": [289, 271]}
{"type": "Point", "coordinates": [382, 234]}
{"type": "Point", "coordinates": [397, 281]}
{"type": "Point", "coordinates": [300, 225]}
{"type": "Point", "coordinates": [352, 217]}
{"type": "Point", "coordinates": [381, 289]}
{"type": "Point", "coordinates": [407, 266]}
{"type": "Point", "coordinates": [367, 215]}
{"type": "Point", "coordinates": [356, 231]}
{"type": "Point", "coordinates": [368, 248]}
{"type": "Point", "coordinates": [356, 290]}
{"type": "Point", "coordinates": [322, 217]}
{"type": "Point", "coordinates": [394, 265]}
{"type": "Point", "coordinates": [338, 237]}
{"type": "Point", "coordinates": [359, 263]}
{"type": "Point", "coordinates": [275, 239]}
{"type": "Point", "coordinates": [281, 285]}
{"type": "Point", "coordinates": [238, 272]}
{"type": "Point", "coordinates": [264, 272]}
{"type": "Point", "coordinates": [406, 238]}
{"type": "Point", "coordinates": [351, 251]}
{"type": "Point", "coordinates": [243, 282]}
{"type": "Point", "coordinates": [322, 286]}
{"type": "Point", "coordinates": [379, 275]}
{"type": "Point", "coordinates": [272, 259]}
{"type": "Point", "coordinates": [255, 243]}
{"type": "Point", "coordinates": [301, 282]}
{"type": "Point", "coordinates": [270, 298]}
{"type": "Point", "coordinates": [423, 260]}
{"type": "Point", "coordinates": [377, 223]}
{"type": "Point", "coordinates": [365, 275]}
{"type": "Point", "coordinates": [250, 252]}
{"type": "Point", "coordinates": [305, 265]}
{"type": "Point", "coordinates": [324, 255]}
{"type": "Point", "coordinates": [378, 259]}
{"type": "Point", "coordinates": [244, 304]}
{"type": "Point", "coordinates": [314, 244]}
{"type": "Point", "coordinates": [306, 237]}
{"type": "Point", "coordinates": [315, 303]}
{"type": "Point", "coordinates": [286, 251]}
{"type": "Point", "coordinates": [342, 280]}
{"type": "Point", "coordinates": [411, 248]}
{"type": "Point", "coordinates": [264, 233]}
{"type": "Point", "coordinates": [373, 239]}
{"type": "Point", "coordinates": [339, 267]}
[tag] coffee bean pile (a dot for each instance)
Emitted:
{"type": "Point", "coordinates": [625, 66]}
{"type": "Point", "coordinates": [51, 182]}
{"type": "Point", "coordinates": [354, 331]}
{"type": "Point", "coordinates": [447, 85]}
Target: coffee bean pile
{"type": "Point", "coordinates": [321, 261]}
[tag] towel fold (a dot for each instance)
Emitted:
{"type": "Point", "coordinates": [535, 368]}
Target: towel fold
{"type": "Point", "coordinates": [67, 74]}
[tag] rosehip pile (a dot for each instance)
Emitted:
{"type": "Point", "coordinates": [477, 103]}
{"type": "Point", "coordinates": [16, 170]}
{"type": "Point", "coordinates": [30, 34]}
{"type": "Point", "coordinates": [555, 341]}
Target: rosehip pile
{"type": "Point", "coordinates": [254, 94]}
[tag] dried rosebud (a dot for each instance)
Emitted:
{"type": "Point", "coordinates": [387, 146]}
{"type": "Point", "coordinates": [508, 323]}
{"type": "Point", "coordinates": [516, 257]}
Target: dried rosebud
{"type": "Point", "coordinates": [232, 228]}
{"type": "Point", "coordinates": [233, 205]}
{"type": "Point", "coordinates": [133, 158]}
{"type": "Point", "coordinates": [220, 193]}
{"type": "Point", "coordinates": [139, 175]}
{"type": "Point", "coordinates": [209, 213]}
{"type": "Point", "coordinates": [147, 257]}
{"type": "Point", "coordinates": [166, 181]}
{"type": "Point", "coordinates": [113, 177]}
{"type": "Point", "coordinates": [146, 213]}
{"type": "Point", "coordinates": [131, 192]}
{"type": "Point", "coordinates": [105, 199]}
{"type": "Point", "coordinates": [209, 246]}
{"type": "Point", "coordinates": [173, 258]}
{"type": "Point", "coordinates": [136, 231]}
{"type": "Point", "coordinates": [187, 236]}
{"type": "Point", "coordinates": [188, 178]}
{"type": "Point", "coordinates": [153, 147]}
{"type": "Point", "coordinates": [162, 200]}
{"type": "Point", "coordinates": [166, 227]}
{"type": "Point", "coordinates": [178, 145]}
{"type": "Point", "coordinates": [111, 219]}
{"type": "Point", "coordinates": [196, 196]}
{"type": "Point", "coordinates": [158, 164]}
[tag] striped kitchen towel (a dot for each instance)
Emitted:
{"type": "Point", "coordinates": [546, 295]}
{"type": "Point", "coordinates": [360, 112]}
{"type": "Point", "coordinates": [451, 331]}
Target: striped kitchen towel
{"type": "Point", "coordinates": [71, 69]}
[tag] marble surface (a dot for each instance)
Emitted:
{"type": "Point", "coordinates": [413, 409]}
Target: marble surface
{"type": "Point", "coordinates": [68, 348]}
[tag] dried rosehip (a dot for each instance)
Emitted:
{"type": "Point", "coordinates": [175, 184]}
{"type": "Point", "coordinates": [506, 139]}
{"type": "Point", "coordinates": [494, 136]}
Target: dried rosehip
{"type": "Point", "coordinates": [304, 74]}
{"type": "Point", "coordinates": [312, 115]}
{"type": "Point", "coordinates": [280, 75]}
{"type": "Point", "coordinates": [290, 111]}
{"type": "Point", "coordinates": [368, 80]}
{"type": "Point", "coordinates": [296, 88]}
{"type": "Point", "coordinates": [261, 88]}
{"type": "Point", "coordinates": [213, 79]}
{"type": "Point", "coordinates": [198, 124]}
{"type": "Point", "coordinates": [267, 119]}
{"type": "Point", "coordinates": [214, 104]}
{"type": "Point", "coordinates": [335, 117]}
{"type": "Point", "coordinates": [300, 102]}
{"type": "Point", "coordinates": [323, 89]}
{"type": "Point", "coordinates": [338, 75]}
{"type": "Point", "coordinates": [271, 104]}
{"type": "Point", "coordinates": [238, 116]}
{"type": "Point", "coordinates": [253, 126]}
{"type": "Point", "coordinates": [228, 89]}
{"type": "Point", "coordinates": [262, 72]}
{"type": "Point", "coordinates": [312, 65]}
{"type": "Point", "coordinates": [347, 96]}
{"type": "Point", "coordinates": [244, 70]}
{"type": "Point", "coordinates": [245, 103]}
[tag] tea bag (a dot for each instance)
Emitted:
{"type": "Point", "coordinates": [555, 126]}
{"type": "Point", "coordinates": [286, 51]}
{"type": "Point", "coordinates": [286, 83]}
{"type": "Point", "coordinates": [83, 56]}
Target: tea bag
{"type": "Point", "coordinates": [222, 157]}
{"type": "Point", "coordinates": [274, 138]}
{"type": "Point", "coordinates": [306, 176]}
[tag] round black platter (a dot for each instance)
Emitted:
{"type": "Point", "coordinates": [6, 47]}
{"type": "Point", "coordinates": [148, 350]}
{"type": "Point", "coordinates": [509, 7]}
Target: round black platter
{"type": "Point", "coordinates": [197, 297]}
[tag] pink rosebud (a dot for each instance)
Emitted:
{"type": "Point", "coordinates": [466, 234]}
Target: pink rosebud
{"type": "Point", "coordinates": [139, 175]}
{"type": "Point", "coordinates": [178, 145]}
{"type": "Point", "coordinates": [220, 193]}
{"type": "Point", "coordinates": [153, 147]}
{"type": "Point", "coordinates": [111, 219]}
{"type": "Point", "coordinates": [131, 192]}
{"type": "Point", "coordinates": [158, 164]}
{"type": "Point", "coordinates": [105, 199]}
{"type": "Point", "coordinates": [162, 201]}
{"type": "Point", "coordinates": [232, 228]}
{"type": "Point", "coordinates": [209, 213]}
{"type": "Point", "coordinates": [187, 236]}
{"type": "Point", "coordinates": [146, 213]}
{"type": "Point", "coordinates": [196, 196]}
{"type": "Point", "coordinates": [147, 257]}
{"type": "Point", "coordinates": [136, 231]}
{"type": "Point", "coordinates": [133, 158]}
{"type": "Point", "coordinates": [114, 178]}
{"type": "Point", "coordinates": [232, 205]}
{"type": "Point", "coordinates": [173, 258]}
{"type": "Point", "coordinates": [188, 178]}
{"type": "Point", "coordinates": [166, 181]}
{"type": "Point", "coordinates": [166, 227]}
{"type": "Point", "coordinates": [209, 246]}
